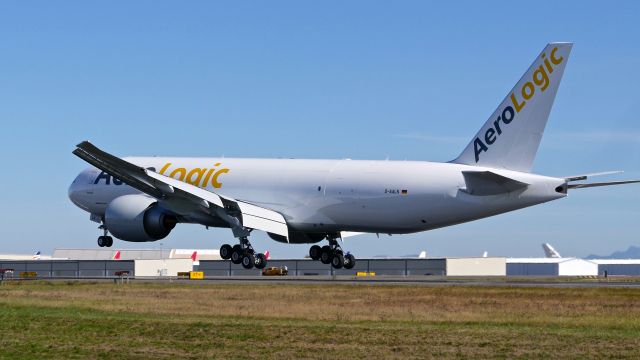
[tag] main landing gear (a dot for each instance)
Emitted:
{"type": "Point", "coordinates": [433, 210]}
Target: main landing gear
{"type": "Point", "coordinates": [332, 254]}
{"type": "Point", "coordinates": [105, 240]}
{"type": "Point", "coordinates": [244, 254]}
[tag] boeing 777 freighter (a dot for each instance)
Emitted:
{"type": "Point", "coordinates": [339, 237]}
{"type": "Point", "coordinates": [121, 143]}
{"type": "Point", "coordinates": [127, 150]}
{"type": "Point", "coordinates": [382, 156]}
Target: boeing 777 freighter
{"type": "Point", "coordinates": [308, 201]}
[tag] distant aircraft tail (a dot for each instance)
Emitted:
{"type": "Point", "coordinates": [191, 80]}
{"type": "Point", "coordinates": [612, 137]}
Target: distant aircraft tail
{"type": "Point", "coordinates": [549, 251]}
{"type": "Point", "coordinates": [116, 256]}
{"type": "Point", "coordinates": [511, 136]}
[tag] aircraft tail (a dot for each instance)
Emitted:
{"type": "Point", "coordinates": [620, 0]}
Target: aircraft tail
{"type": "Point", "coordinates": [511, 136]}
{"type": "Point", "coordinates": [549, 251]}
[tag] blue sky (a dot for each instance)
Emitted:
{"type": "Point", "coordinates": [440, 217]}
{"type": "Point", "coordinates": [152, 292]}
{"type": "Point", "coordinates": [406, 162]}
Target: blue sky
{"type": "Point", "coordinates": [357, 79]}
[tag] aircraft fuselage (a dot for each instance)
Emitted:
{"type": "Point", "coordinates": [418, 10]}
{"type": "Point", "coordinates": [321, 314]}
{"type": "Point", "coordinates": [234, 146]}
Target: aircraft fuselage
{"type": "Point", "coordinates": [392, 197]}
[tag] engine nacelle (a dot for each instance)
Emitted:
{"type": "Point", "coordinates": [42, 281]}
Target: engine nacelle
{"type": "Point", "coordinates": [137, 218]}
{"type": "Point", "coordinates": [297, 237]}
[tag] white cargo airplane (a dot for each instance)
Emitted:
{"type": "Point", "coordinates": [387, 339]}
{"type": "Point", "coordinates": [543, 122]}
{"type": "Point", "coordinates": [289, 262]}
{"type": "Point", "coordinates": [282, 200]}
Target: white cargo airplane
{"type": "Point", "coordinates": [307, 201]}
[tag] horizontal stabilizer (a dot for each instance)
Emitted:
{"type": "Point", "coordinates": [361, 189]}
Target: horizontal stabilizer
{"type": "Point", "coordinates": [582, 186]}
{"type": "Point", "coordinates": [587, 176]}
{"type": "Point", "coordinates": [483, 183]}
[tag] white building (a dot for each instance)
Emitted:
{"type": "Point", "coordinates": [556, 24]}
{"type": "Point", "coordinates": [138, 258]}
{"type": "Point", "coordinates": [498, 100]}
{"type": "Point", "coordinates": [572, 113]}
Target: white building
{"type": "Point", "coordinates": [479, 266]}
{"type": "Point", "coordinates": [551, 267]}
{"type": "Point", "coordinates": [161, 267]}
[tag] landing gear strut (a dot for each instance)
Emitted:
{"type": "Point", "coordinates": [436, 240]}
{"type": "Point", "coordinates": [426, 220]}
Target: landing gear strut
{"type": "Point", "coordinates": [332, 254]}
{"type": "Point", "coordinates": [244, 254]}
{"type": "Point", "coordinates": [105, 240]}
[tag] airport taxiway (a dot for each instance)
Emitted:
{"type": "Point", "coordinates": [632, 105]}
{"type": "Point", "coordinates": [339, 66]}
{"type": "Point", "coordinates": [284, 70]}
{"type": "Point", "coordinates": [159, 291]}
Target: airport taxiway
{"type": "Point", "coordinates": [381, 281]}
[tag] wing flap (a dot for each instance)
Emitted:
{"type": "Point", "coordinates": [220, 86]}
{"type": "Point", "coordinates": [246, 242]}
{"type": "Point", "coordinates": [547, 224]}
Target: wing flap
{"type": "Point", "coordinates": [260, 218]}
{"type": "Point", "coordinates": [191, 190]}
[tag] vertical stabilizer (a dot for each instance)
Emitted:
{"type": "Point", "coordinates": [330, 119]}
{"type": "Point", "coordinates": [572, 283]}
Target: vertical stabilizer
{"type": "Point", "coordinates": [549, 251]}
{"type": "Point", "coordinates": [511, 136]}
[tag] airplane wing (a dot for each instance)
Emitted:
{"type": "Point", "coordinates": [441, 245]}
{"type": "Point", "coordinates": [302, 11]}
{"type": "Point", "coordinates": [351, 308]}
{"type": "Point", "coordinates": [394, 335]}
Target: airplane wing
{"type": "Point", "coordinates": [184, 198]}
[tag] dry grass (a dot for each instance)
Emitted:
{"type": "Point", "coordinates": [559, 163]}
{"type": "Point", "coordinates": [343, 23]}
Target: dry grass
{"type": "Point", "coordinates": [305, 321]}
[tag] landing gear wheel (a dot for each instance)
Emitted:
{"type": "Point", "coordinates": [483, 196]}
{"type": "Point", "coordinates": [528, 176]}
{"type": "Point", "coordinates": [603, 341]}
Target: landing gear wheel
{"type": "Point", "coordinates": [236, 256]}
{"type": "Point", "coordinates": [248, 261]}
{"type": "Point", "coordinates": [101, 241]}
{"type": "Point", "coordinates": [108, 241]}
{"type": "Point", "coordinates": [326, 254]}
{"type": "Point", "coordinates": [337, 261]}
{"type": "Point", "coordinates": [225, 251]}
{"type": "Point", "coordinates": [261, 261]}
{"type": "Point", "coordinates": [315, 252]}
{"type": "Point", "coordinates": [349, 261]}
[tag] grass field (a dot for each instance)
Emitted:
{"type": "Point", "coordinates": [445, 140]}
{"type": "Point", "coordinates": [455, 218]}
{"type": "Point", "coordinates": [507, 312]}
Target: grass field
{"type": "Point", "coordinates": [166, 321]}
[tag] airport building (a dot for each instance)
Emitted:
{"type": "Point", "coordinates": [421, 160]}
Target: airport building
{"type": "Point", "coordinates": [73, 263]}
{"type": "Point", "coordinates": [551, 267]}
{"type": "Point", "coordinates": [135, 254]}
{"type": "Point", "coordinates": [381, 267]}
{"type": "Point", "coordinates": [572, 267]}
{"type": "Point", "coordinates": [618, 267]}
{"type": "Point", "coordinates": [154, 263]}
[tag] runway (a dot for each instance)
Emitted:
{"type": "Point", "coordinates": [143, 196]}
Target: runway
{"type": "Point", "coordinates": [626, 282]}
{"type": "Point", "coordinates": [422, 281]}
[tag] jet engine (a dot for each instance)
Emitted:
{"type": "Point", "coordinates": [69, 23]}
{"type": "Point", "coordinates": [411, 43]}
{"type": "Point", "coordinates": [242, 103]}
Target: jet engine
{"type": "Point", "coordinates": [138, 218]}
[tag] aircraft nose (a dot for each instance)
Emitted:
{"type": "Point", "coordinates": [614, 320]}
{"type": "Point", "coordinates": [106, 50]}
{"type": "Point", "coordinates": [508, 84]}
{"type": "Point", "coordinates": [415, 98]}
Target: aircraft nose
{"type": "Point", "coordinates": [75, 189]}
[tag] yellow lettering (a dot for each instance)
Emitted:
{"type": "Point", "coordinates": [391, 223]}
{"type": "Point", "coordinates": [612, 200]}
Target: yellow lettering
{"type": "Point", "coordinates": [197, 171]}
{"type": "Point", "coordinates": [164, 168]}
{"type": "Point", "coordinates": [214, 180]}
{"type": "Point", "coordinates": [553, 57]}
{"type": "Point", "coordinates": [531, 91]}
{"type": "Point", "coordinates": [547, 64]}
{"type": "Point", "coordinates": [516, 105]}
{"type": "Point", "coordinates": [205, 182]}
{"type": "Point", "coordinates": [181, 171]}
{"type": "Point", "coordinates": [540, 78]}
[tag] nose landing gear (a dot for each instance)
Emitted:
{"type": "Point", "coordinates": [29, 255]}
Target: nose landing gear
{"type": "Point", "coordinates": [332, 254]}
